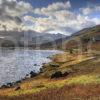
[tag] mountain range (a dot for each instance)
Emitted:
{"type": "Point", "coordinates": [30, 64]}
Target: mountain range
{"type": "Point", "coordinates": [27, 38]}
{"type": "Point", "coordinates": [50, 41]}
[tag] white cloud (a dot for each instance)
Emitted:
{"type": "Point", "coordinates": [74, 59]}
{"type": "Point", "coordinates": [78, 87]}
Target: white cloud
{"type": "Point", "coordinates": [11, 12]}
{"type": "Point", "coordinates": [57, 6]}
{"type": "Point", "coordinates": [56, 17]}
{"type": "Point", "coordinates": [61, 19]}
{"type": "Point", "coordinates": [86, 11]}
{"type": "Point", "coordinates": [90, 9]}
{"type": "Point", "coordinates": [53, 8]}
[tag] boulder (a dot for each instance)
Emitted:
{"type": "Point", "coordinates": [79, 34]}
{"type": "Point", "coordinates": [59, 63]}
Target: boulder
{"type": "Point", "coordinates": [4, 86]}
{"type": "Point", "coordinates": [41, 70]}
{"type": "Point", "coordinates": [9, 84]}
{"type": "Point", "coordinates": [18, 82]}
{"type": "Point", "coordinates": [33, 74]}
{"type": "Point", "coordinates": [35, 64]}
{"type": "Point", "coordinates": [56, 75]}
{"type": "Point", "coordinates": [27, 76]}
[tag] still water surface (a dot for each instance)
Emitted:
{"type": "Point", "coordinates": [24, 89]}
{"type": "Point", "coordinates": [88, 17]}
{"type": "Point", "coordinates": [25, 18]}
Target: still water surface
{"type": "Point", "coordinates": [16, 64]}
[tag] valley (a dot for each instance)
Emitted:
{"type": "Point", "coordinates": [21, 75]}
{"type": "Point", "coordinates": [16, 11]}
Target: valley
{"type": "Point", "coordinates": [74, 74]}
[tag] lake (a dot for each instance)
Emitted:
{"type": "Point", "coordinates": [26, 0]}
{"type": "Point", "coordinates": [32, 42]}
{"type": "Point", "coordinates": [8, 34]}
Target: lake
{"type": "Point", "coordinates": [15, 64]}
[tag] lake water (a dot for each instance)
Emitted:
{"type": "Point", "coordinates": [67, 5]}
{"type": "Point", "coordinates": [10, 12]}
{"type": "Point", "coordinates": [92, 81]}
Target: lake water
{"type": "Point", "coordinates": [16, 64]}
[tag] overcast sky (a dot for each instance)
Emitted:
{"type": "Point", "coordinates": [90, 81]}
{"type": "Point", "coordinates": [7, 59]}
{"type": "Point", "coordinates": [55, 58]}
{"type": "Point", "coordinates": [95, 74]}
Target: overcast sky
{"type": "Point", "coordinates": [49, 16]}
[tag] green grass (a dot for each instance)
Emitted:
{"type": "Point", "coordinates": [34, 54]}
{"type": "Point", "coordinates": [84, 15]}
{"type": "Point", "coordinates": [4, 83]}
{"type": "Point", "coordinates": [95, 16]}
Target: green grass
{"type": "Point", "coordinates": [82, 73]}
{"type": "Point", "coordinates": [85, 79]}
{"type": "Point", "coordinates": [57, 84]}
{"type": "Point", "coordinates": [28, 91]}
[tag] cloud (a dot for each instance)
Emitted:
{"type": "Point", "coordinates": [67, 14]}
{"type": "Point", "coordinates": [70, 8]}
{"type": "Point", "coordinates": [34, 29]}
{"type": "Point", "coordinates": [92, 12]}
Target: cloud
{"type": "Point", "coordinates": [59, 18]}
{"type": "Point", "coordinates": [11, 12]}
{"type": "Point", "coordinates": [53, 8]}
{"type": "Point", "coordinates": [90, 9]}
{"type": "Point", "coordinates": [56, 17]}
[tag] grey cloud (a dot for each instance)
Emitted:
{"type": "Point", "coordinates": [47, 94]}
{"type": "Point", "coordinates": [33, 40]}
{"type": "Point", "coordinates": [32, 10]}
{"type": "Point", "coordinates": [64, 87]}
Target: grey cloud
{"type": "Point", "coordinates": [6, 16]}
{"type": "Point", "coordinates": [90, 9]}
{"type": "Point", "coordinates": [11, 10]}
{"type": "Point", "coordinates": [55, 17]}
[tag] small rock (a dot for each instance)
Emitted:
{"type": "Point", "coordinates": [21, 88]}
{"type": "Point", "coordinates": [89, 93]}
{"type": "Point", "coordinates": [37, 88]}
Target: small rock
{"type": "Point", "coordinates": [33, 74]}
{"type": "Point", "coordinates": [41, 70]}
{"type": "Point", "coordinates": [35, 64]}
{"type": "Point", "coordinates": [9, 84]}
{"type": "Point", "coordinates": [17, 88]}
{"type": "Point", "coordinates": [4, 86]}
{"type": "Point", "coordinates": [27, 76]}
{"type": "Point", "coordinates": [18, 81]}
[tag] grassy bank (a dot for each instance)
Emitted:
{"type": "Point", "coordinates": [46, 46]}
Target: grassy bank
{"type": "Point", "coordinates": [82, 81]}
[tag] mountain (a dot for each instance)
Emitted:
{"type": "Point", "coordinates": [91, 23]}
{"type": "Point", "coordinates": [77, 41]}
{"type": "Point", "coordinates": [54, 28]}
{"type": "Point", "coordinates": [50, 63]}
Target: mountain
{"type": "Point", "coordinates": [86, 38]}
{"type": "Point", "coordinates": [27, 38]}
{"type": "Point", "coordinates": [83, 37]}
{"type": "Point", "coordinates": [53, 41]}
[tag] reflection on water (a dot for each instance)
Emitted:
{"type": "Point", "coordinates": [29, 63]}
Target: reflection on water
{"type": "Point", "coordinates": [15, 64]}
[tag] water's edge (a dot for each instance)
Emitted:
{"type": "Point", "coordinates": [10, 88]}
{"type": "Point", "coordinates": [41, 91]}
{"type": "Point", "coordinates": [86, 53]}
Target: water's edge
{"type": "Point", "coordinates": [16, 65]}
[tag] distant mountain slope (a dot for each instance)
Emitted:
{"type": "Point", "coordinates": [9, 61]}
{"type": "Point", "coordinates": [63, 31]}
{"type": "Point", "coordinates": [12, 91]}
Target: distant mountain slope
{"type": "Point", "coordinates": [91, 31]}
{"type": "Point", "coordinates": [83, 37]}
{"type": "Point", "coordinates": [29, 38]}
{"type": "Point", "coordinates": [54, 41]}
{"type": "Point", "coordinates": [88, 36]}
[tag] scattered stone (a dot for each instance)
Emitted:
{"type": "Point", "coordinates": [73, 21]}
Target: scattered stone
{"type": "Point", "coordinates": [41, 70]}
{"type": "Point", "coordinates": [33, 74]}
{"type": "Point", "coordinates": [35, 64]}
{"type": "Point", "coordinates": [4, 86]}
{"type": "Point", "coordinates": [17, 88]}
{"type": "Point", "coordinates": [23, 79]}
{"type": "Point", "coordinates": [9, 84]}
{"type": "Point", "coordinates": [27, 76]}
{"type": "Point", "coordinates": [18, 82]}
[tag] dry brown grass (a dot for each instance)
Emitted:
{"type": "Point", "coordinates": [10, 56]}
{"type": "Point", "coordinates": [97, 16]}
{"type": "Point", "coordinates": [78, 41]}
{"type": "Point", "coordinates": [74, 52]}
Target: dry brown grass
{"type": "Point", "coordinates": [82, 84]}
{"type": "Point", "coordinates": [71, 92]}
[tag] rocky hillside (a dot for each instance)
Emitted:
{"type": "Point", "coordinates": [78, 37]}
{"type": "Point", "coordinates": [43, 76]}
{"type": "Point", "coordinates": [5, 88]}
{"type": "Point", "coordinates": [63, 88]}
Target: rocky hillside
{"type": "Point", "coordinates": [88, 38]}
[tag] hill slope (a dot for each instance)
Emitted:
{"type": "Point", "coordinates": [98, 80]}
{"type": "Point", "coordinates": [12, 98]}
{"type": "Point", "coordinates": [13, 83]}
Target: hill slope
{"type": "Point", "coordinates": [84, 39]}
{"type": "Point", "coordinates": [80, 79]}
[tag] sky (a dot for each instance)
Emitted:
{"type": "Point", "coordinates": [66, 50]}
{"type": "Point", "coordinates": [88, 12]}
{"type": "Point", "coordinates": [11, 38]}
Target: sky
{"type": "Point", "coordinates": [49, 16]}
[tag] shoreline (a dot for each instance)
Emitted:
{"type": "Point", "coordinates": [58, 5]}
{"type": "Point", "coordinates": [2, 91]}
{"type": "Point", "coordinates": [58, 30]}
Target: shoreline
{"type": "Point", "coordinates": [71, 75]}
{"type": "Point", "coordinates": [29, 75]}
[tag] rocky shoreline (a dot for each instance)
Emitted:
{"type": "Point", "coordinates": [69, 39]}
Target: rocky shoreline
{"type": "Point", "coordinates": [32, 74]}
